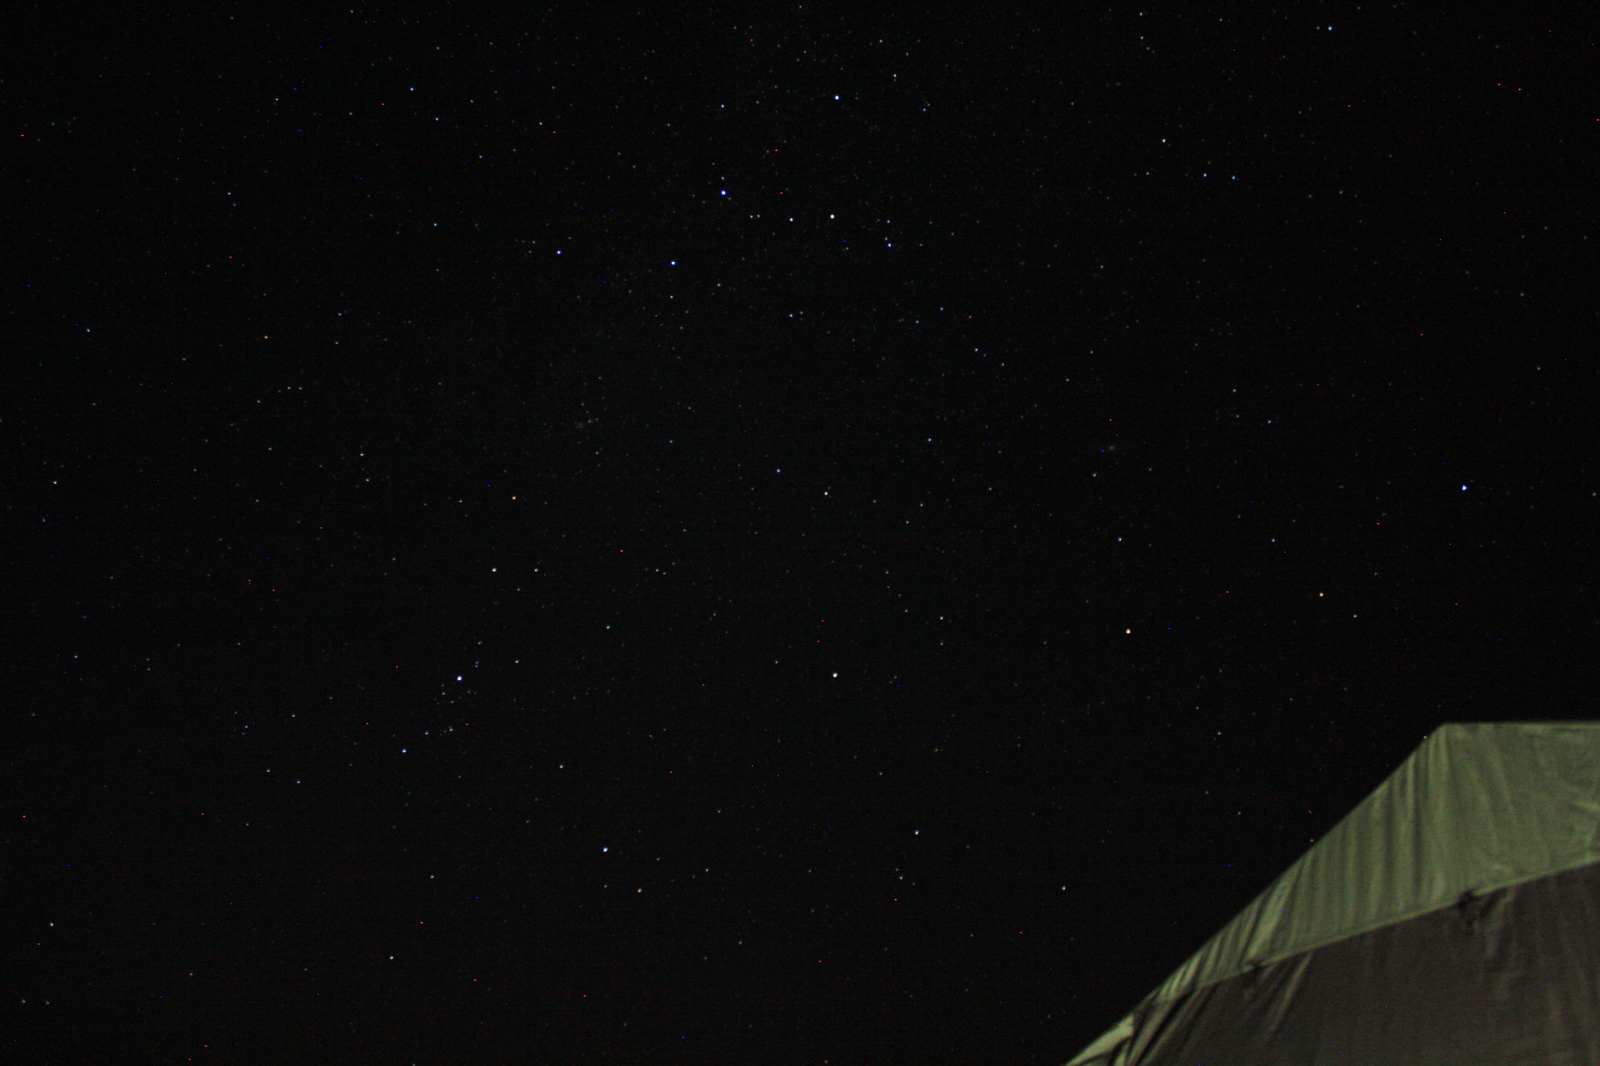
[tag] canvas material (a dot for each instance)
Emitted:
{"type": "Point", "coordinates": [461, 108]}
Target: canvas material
{"type": "Point", "coordinates": [1477, 809]}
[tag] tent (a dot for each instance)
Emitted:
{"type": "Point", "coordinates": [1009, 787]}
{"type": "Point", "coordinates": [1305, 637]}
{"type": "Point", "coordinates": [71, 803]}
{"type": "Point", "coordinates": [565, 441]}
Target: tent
{"type": "Point", "coordinates": [1452, 918]}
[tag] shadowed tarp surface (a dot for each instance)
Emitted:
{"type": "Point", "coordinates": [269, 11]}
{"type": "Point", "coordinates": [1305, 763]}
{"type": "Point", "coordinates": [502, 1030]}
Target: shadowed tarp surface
{"type": "Point", "coordinates": [1452, 917]}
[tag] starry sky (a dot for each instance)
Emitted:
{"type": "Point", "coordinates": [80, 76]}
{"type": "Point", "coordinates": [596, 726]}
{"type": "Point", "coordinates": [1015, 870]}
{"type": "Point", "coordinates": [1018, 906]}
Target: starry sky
{"type": "Point", "coordinates": [798, 534]}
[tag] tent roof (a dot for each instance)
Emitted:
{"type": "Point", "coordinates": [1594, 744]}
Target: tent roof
{"type": "Point", "coordinates": [1477, 807]}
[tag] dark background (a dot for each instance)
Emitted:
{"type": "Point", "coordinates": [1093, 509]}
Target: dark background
{"type": "Point", "coordinates": [810, 536]}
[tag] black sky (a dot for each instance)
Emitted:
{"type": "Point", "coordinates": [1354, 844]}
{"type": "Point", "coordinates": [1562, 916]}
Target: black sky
{"type": "Point", "coordinates": [574, 534]}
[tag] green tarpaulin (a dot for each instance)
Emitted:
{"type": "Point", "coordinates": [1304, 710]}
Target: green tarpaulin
{"type": "Point", "coordinates": [1453, 917]}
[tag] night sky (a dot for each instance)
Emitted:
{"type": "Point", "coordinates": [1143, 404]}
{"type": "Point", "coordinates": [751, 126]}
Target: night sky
{"type": "Point", "coordinates": [753, 534]}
